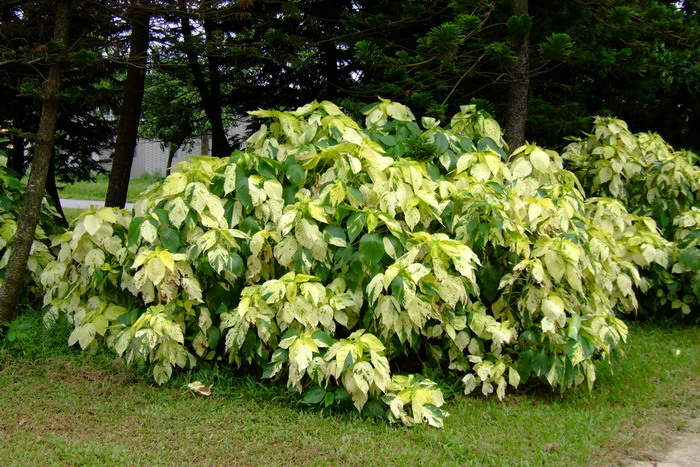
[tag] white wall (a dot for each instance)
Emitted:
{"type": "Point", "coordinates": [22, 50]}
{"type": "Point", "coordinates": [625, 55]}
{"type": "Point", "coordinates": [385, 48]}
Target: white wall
{"type": "Point", "coordinates": [151, 158]}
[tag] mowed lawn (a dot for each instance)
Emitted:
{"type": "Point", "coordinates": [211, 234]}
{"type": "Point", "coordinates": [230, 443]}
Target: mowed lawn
{"type": "Point", "coordinates": [62, 406]}
{"type": "Point", "coordinates": [97, 189]}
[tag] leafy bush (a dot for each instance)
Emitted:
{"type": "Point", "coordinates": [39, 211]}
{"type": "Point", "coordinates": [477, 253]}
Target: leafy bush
{"type": "Point", "coordinates": [337, 257]}
{"type": "Point", "coordinates": [11, 195]}
{"type": "Point", "coordinates": [650, 179]}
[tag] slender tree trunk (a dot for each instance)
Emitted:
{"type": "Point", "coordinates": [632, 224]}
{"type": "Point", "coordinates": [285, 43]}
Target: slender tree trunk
{"type": "Point", "coordinates": [516, 112]}
{"type": "Point", "coordinates": [204, 144]}
{"type": "Point", "coordinates": [15, 273]}
{"type": "Point", "coordinates": [209, 92]}
{"type": "Point", "coordinates": [220, 144]}
{"type": "Point", "coordinates": [130, 112]}
{"type": "Point", "coordinates": [171, 155]}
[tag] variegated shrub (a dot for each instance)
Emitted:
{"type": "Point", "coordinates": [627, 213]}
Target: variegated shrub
{"type": "Point", "coordinates": [11, 197]}
{"type": "Point", "coordinates": [333, 254]}
{"type": "Point", "coordinates": [650, 179]}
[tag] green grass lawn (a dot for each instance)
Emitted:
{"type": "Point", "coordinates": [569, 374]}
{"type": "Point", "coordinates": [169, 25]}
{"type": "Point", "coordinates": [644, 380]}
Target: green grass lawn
{"type": "Point", "coordinates": [62, 406]}
{"type": "Point", "coordinates": [97, 190]}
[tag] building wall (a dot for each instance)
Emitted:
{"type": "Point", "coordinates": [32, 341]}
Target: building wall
{"type": "Point", "coordinates": [151, 158]}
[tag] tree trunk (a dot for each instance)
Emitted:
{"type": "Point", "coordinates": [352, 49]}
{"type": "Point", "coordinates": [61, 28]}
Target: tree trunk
{"type": "Point", "coordinates": [220, 145]}
{"type": "Point", "coordinates": [172, 149]}
{"type": "Point", "coordinates": [516, 112]}
{"type": "Point", "coordinates": [209, 92]}
{"type": "Point", "coordinates": [15, 273]}
{"type": "Point", "coordinates": [130, 112]}
{"type": "Point", "coordinates": [204, 145]}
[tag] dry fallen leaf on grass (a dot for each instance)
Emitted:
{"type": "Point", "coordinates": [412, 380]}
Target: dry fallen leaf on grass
{"type": "Point", "coordinates": [200, 388]}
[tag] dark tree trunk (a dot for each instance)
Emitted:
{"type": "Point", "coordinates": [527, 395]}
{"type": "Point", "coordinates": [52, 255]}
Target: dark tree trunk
{"type": "Point", "coordinates": [516, 112]}
{"type": "Point", "coordinates": [220, 144]}
{"type": "Point", "coordinates": [171, 155]}
{"type": "Point", "coordinates": [327, 15]}
{"type": "Point", "coordinates": [209, 92]}
{"type": "Point", "coordinates": [130, 112]}
{"type": "Point", "coordinates": [15, 273]}
{"type": "Point", "coordinates": [204, 144]}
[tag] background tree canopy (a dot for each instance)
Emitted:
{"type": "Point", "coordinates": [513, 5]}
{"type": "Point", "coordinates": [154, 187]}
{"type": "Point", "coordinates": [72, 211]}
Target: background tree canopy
{"type": "Point", "coordinates": [636, 60]}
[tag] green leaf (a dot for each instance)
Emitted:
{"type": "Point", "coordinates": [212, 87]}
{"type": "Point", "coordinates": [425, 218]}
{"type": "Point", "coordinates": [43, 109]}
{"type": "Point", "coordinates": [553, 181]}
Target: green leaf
{"type": "Point", "coordinates": [489, 279]}
{"type": "Point", "coordinates": [690, 258]}
{"type": "Point", "coordinates": [397, 288]}
{"type": "Point", "coordinates": [388, 140]}
{"type": "Point", "coordinates": [314, 396]}
{"type": "Point", "coordinates": [170, 238]}
{"type": "Point", "coordinates": [162, 372]}
{"type": "Point", "coordinates": [128, 319]}
{"type": "Point", "coordinates": [236, 265]}
{"type": "Point", "coordinates": [695, 284]}
{"type": "Point", "coordinates": [540, 363]}
{"type": "Point", "coordinates": [441, 142]}
{"type": "Point", "coordinates": [322, 338]}
{"type": "Point", "coordinates": [135, 230]}
{"type": "Point", "coordinates": [348, 362]}
{"type": "Point", "coordinates": [243, 190]}
{"type": "Point", "coordinates": [372, 248]}
{"type": "Point", "coordinates": [355, 224]}
{"type": "Point", "coordinates": [357, 194]}
{"type": "Point", "coordinates": [334, 235]}
{"type": "Point", "coordinates": [288, 337]}
{"type": "Point", "coordinates": [329, 398]}
{"type": "Point", "coordinates": [296, 174]}
{"type": "Point", "coordinates": [213, 336]}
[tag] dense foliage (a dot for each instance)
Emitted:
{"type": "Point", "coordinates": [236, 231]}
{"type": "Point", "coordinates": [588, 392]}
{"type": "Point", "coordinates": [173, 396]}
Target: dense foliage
{"type": "Point", "coordinates": [650, 179]}
{"type": "Point", "coordinates": [11, 195]}
{"type": "Point", "coordinates": [335, 256]}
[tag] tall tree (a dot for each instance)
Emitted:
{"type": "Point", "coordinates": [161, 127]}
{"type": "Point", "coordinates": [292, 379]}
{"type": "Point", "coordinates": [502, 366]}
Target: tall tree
{"type": "Point", "coordinates": [638, 60]}
{"type": "Point", "coordinates": [519, 26]}
{"type": "Point", "coordinates": [81, 131]}
{"type": "Point", "coordinates": [170, 113]}
{"type": "Point", "coordinates": [208, 82]}
{"type": "Point", "coordinates": [139, 15]}
{"type": "Point", "coordinates": [437, 55]}
{"type": "Point", "coordinates": [11, 288]}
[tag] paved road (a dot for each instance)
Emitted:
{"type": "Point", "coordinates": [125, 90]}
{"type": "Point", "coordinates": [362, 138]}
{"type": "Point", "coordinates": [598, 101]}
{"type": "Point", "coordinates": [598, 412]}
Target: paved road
{"type": "Point", "coordinates": [86, 203]}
